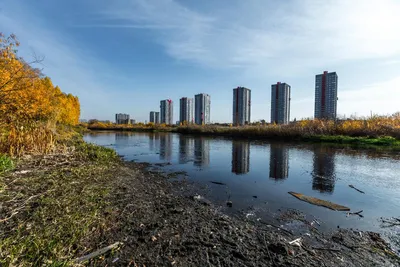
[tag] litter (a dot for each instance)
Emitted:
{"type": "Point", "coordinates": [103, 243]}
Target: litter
{"type": "Point", "coordinates": [296, 242]}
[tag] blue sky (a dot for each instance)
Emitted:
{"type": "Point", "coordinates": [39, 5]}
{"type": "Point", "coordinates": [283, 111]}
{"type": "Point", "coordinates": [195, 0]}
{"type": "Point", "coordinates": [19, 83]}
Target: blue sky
{"type": "Point", "coordinates": [127, 55]}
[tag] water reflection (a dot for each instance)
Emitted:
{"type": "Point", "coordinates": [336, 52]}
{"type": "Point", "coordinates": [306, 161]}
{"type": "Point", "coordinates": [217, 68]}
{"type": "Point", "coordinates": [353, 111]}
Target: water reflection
{"type": "Point", "coordinates": [154, 139]}
{"type": "Point", "coordinates": [121, 138]}
{"type": "Point", "coordinates": [323, 169]}
{"type": "Point", "coordinates": [279, 161]}
{"type": "Point", "coordinates": [186, 149]}
{"type": "Point", "coordinates": [240, 157]}
{"type": "Point", "coordinates": [201, 152]}
{"type": "Point", "coordinates": [165, 147]}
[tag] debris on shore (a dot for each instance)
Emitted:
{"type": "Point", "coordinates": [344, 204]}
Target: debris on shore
{"type": "Point", "coordinates": [319, 202]}
{"type": "Point", "coordinates": [352, 186]}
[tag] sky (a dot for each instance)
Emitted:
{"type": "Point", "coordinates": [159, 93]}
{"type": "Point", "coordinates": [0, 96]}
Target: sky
{"type": "Point", "coordinates": [124, 56]}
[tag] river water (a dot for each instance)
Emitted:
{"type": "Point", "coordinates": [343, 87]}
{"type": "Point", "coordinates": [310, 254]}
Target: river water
{"type": "Point", "coordinates": [257, 176]}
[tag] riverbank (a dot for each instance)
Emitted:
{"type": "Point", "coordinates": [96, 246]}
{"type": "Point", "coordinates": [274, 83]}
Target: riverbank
{"type": "Point", "coordinates": [270, 133]}
{"type": "Point", "coordinates": [60, 207]}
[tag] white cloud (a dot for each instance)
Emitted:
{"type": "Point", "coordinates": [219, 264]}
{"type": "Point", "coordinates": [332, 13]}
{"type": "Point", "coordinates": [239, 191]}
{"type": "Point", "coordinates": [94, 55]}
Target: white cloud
{"type": "Point", "coordinates": [262, 33]}
{"type": "Point", "coordinates": [364, 100]}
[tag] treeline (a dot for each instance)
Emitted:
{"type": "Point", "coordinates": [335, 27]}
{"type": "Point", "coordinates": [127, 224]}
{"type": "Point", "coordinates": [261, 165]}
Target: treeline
{"type": "Point", "coordinates": [28, 99]}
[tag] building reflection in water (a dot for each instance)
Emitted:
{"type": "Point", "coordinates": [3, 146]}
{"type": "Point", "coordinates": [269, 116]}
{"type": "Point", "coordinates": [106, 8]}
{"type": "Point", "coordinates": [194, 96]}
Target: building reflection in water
{"type": "Point", "coordinates": [279, 161]}
{"type": "Point", "coordinates": [323, 169]}
{"type": "Point", "coordinates": [240, 157]}
{"type": "Point", "coordinates": [120, 138]}
{"type": "Point", "coordinates": [165, 146]}
{"type": "Point", "coordinates": [154, 139]}
{"type": "Point", "coordinates": [201, 152]}
{"type": "Point", "coordinates": [186, 149]}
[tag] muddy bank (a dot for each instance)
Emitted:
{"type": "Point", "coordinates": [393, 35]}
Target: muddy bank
{"type": "Point", "coordinates": [79, 206]}
{"type": "Point", "coordinates": [164, 223]}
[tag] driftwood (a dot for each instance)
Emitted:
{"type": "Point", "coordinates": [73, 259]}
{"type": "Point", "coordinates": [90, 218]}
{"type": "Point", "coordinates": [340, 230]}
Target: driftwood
{"type": "Point", "coordinates": [352, 186]}
{"type": "Point", "coordinates": [97, 252]}
{"type": "Point", "coordinates": [319, 202]}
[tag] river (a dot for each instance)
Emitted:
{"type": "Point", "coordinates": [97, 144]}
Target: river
{"type": "Point", "coordinates": [257, 176]}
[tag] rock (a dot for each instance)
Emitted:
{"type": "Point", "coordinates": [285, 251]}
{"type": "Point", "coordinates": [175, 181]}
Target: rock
{"type": "Point", "coordinates": [229, 204]}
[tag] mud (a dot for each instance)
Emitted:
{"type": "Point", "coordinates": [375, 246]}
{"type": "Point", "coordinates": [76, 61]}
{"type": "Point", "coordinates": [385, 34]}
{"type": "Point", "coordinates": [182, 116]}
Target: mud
{"type": "Point", "coordinates": [169, 223]}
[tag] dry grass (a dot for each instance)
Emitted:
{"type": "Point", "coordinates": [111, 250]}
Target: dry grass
{"type": "Point", "coordinates": [380, 126]}
{"type": "Point", "coordinates": [55, 206]}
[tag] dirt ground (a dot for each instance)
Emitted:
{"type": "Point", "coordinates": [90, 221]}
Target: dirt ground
{"type": "Point", "coordinates": [163, 222]}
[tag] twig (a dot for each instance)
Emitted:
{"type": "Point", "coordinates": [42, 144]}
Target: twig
{"type": "Point", "coordinates": [329, 249]}
{"type": "Point", "coordinates": [97, 252]}
{"type": "Point", "coordinates": [356, 213]}
{"type": "Point", "coordinates": [9, 217]}
{"type": "Point", "coordinates": [352, 186]}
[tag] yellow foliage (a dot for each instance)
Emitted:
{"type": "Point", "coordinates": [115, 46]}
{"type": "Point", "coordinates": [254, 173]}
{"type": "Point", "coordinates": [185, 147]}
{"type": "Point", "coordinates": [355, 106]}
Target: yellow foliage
{"type": "Point", "coordinates": [29, 98]}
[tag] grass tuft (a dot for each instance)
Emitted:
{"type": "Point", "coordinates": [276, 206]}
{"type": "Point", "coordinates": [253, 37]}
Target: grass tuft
{"type": "Point", "coordinates": [95, 153]}
{"type": "Point", "coordinates": [6, 164]}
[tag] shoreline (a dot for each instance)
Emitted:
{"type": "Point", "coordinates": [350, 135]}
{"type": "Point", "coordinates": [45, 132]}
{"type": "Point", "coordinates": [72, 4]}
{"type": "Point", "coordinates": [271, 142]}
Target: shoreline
{"type": "Point", "coordinates": [91, 199]}
{"type": "Point", "coordinates": [386, 143]}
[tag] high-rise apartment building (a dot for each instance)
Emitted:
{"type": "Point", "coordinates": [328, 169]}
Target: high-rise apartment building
{"type": "Point", "coordinates": [326, 86]}
{"type": "Point", "coordinates": [202, 109]}
{"type": "Point", "coordinates": [154, 117]}
{"type": "Point", "coordinates": [186, 110]}
{"type": "Point", "coordinates": [280, 103]}
{"type": "Point", "coordinates": [166, 111]}
{"type": "Point", "coordinates": [121, 118]}
{"type": "Point", "coordinates": [241, 106]}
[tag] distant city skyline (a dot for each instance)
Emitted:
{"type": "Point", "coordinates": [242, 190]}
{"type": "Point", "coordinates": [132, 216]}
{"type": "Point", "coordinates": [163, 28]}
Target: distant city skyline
{"type": "Point", "coordinates": [181, 48]}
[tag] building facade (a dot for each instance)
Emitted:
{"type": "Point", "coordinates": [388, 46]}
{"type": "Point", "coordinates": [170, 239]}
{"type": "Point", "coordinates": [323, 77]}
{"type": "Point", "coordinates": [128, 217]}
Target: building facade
{"type": "Point", "coordinates": [121, 118]}
{"type": "Point", "coordinates": [154, 117]}
{"type": "Point", "coordinates": [166, 111]}
{"type": "Point", "coordinates": [326, 86]}
{"type": "Point", "coordinates": [241, 106]}
{"type": "Point", "coordinates": [280, 103]}
{"type": "Point", "coordinates": [202, 109]}
{"type": "Point", "coordinates": [186, 110]}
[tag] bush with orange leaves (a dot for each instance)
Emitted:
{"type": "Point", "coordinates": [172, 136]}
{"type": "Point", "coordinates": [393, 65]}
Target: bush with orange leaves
{"type": "Point", "coordinates": [30, 105]}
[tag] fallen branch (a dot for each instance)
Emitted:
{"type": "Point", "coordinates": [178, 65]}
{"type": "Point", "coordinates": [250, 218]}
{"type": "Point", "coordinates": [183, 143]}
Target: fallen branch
{"type": "Point", "coordinates": [356, 213]}
{"type": "Point", "coordinates": [352, 186]}
{"type": "Point", "coordinates": [97, 252]}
